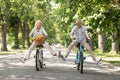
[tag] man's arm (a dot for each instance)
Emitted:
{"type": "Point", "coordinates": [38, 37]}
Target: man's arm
{"type": "Point", "coordinates": [72, 33]}
{"type": "Point", "coordinates": [86, 33]}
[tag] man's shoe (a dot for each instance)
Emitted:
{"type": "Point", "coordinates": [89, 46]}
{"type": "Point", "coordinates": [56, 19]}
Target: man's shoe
{"type": "Point", "coordinates": [22, 59]}
{"type": "Point", "coordinates": [54, 54]}
{"type": "Point", "coordinates": [98, 61]}
{"type": "Point", "coordinates": [61, 56]}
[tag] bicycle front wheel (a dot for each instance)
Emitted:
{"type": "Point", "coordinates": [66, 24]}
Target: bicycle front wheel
{"type": "Point", "coordinates": [78, 61]}
{"type": "Point", "coordinates": [37, 60]}
{"type": "Point", "coordinates": [41, 59]}
{"type": "Point", "coordinates": [81, 62]}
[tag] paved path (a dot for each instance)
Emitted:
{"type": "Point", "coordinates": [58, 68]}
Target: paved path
{"type": "Point", "coordinates": [55, 69]}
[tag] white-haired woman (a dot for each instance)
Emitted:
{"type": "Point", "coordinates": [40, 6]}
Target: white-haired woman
{"type": "Point", "coordinates": [37, 30]}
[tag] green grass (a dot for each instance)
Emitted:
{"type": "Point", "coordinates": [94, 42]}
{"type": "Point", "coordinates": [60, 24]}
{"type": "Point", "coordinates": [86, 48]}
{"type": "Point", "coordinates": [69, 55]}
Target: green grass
{"type": "Point", "coordinates": [117, 63]}
{"type": "Point", "coordinates": [109, 57]}
{"type": "Point", "coordinates": [11, 52]}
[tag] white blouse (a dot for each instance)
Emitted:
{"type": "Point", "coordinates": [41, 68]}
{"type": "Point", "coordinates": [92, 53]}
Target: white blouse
{"type": "Point", "coordinates": [36, 32]}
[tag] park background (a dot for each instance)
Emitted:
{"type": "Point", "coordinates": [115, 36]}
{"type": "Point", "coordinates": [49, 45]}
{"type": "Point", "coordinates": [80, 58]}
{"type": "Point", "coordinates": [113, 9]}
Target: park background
{"type": "Point", "coordinates": [101, 17]}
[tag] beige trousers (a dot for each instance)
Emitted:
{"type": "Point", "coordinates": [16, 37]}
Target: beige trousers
{"type": "Point", "coordinates": [45, 45]}
{"type": "Point", "coordinates": [85, 44]}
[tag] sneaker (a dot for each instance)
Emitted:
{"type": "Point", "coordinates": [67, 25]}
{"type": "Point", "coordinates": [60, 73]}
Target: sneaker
{"type": "Point", "coordinates": [61, 56]}
{"type": "Point", "coordinates": [84, 58]}
{"type": "Point", "coordinates": [22, 59]}
{"type": "Point", "coordinates": [98, 61]}
{"type": "Point", "coordinates": [54, 54]}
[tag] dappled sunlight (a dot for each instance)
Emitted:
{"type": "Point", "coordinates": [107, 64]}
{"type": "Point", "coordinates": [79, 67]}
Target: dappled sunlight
{"type": "Point", "coordinates": [14, 77]}
{"type": "Point", "coordinates": [55, 68]}
{"type": "Point", "coordinates": [50, 78]}
{"type": "Point", "coordinates": [63, 24]}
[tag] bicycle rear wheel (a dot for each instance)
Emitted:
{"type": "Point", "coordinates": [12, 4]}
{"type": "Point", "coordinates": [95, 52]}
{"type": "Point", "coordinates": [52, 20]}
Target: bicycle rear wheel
{"type": "Point", "coordinates": [81, 62]}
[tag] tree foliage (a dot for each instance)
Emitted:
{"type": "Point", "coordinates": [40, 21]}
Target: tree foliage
{"type": "Point", "coordinates": [58, 18]}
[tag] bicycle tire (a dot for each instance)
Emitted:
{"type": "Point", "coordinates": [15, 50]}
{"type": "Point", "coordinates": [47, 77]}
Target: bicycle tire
{"type": "Point", "coordinates": [78, 66]}
{"type": "Point", "coordinates": [37, 60]}
{"type": "Point", "coordinates": [81, 62]}
{"type": "Point", "coordinates": [78, 63]}
{"type": "Point", "coordinates": [41, 59]}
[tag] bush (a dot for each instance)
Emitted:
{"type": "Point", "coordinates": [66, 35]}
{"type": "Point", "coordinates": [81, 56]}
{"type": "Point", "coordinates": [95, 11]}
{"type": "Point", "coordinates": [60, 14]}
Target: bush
{"type": "Point", "coordinates": [98, 51]}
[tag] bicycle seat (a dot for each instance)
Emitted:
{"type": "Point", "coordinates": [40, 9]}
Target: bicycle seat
{"type": "Point", "coordinates": [78, 45]}
{"type": "Point", "coordinates": [40, 46]}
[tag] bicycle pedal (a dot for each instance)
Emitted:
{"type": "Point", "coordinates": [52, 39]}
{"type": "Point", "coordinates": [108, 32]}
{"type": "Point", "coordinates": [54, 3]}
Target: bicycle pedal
{"type": "Point", "coordinates": [84, 58]}
{"type": "Point", "coordinates": [59, 54]}
{"type": "Point", "coordinates": [74, 67]}
{"type": "Point", "coordinates": [34, 56]}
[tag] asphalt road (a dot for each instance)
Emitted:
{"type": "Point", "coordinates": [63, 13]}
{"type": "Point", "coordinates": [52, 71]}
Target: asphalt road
{"type": "Point", "coordinates": [55, 69]}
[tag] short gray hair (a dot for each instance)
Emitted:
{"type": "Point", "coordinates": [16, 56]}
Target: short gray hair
{"type": "Point", "coordinates": [78, 20]}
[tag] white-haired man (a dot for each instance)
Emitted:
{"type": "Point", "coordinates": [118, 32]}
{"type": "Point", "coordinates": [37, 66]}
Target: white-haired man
{"type": "Point", "coordinates": [78, 35]}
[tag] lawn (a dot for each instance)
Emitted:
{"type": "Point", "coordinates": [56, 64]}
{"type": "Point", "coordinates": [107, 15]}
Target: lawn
{"type": "Point", "coordinates": [108, 57]}
{"type": "Point", "coordinates": [117, 63]}
{"type": "Point", "coordinates": [11, 52]}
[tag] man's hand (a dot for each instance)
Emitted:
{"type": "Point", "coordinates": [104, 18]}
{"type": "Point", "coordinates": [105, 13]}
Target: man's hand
{"type": "Point", "coordinates": [72, 38]}
{"type": "Point", "coordinates": [88, 38]}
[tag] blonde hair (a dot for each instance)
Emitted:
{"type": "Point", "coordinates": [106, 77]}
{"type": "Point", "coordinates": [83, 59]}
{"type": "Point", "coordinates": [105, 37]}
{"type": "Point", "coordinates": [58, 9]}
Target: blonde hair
{"type": "Point", "coordinates": [37, 21]}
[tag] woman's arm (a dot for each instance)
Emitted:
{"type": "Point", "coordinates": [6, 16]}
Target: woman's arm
{"type": "Point", "coordinates": [31, 33]}
{"type": "Point", "coordinates": [44, 32]}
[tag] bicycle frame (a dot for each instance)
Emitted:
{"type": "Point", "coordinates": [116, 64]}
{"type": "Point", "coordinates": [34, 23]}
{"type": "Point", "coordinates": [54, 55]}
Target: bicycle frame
{"type": "Point", "coordinates": [79, 58]}
{"type": "Point", "coordinates": [39, 58]}
{"type": "Point", "coordinates": [40, 53]}
{"type": "Point", "coordinates": [78, 53]}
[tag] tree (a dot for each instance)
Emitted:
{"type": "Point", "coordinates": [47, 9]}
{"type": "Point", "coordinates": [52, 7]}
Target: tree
{"type": "Point", "coordinates": [14, 25]}
{"type": "Point", "coordinates": [58, 18]}
{"type": "Point", "coordinates": [5, 25]}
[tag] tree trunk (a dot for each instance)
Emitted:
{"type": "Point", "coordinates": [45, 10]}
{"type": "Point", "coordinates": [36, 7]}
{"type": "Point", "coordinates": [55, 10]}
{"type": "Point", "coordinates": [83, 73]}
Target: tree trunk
{"type": "Point", "coordinates": [3, 34]}
{"type": "Point", "coordinates": [115, 43]}
{"type": "Point", "coordinates": [5, 25]}
{"type": "Point", "coordinates": [28, 31]}
{"type": "Point", "coordinates": [16, 27]}
{"type": "Point", "coordinates": [101, 42]}
{"type": "Point", "coordinates": [16, 44]}
{"type": "Point", "coordinates": [91, 44]}
{"type": "Point", "coordinates": [115, 46]}
{"type": "Point", "coordinates": [23, 34]}
{"type": "Point", "coordinates": [116, 1]}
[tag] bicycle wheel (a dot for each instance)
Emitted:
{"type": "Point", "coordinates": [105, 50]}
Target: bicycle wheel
{"type": "Point", "coordinates": [41, 59]}
{"type": "Point", "coordinates": [78, 61]}
{"type": "Point", "coordinates": [78, 66]}
{"type": "Point", "coordinates": [81, 62]}
{"type": "Point", "coordinates": [37, 60]}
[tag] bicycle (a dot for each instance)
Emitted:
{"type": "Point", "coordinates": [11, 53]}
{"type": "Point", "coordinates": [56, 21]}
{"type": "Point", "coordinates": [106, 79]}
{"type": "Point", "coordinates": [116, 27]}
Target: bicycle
{"type": "Point", "coordinates": [39, 58]}
{"type": "Point", "coordinates": [80, 58]}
